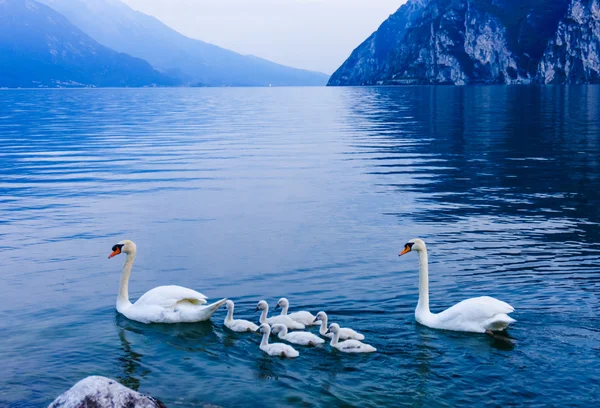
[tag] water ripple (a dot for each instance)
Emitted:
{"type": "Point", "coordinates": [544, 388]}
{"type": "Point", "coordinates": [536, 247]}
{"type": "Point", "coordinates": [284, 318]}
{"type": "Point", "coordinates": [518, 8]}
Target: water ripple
{"type": "Point", "coordinates": [309, 194]}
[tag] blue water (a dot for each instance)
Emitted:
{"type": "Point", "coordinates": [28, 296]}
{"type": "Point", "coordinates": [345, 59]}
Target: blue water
{"type": "Point", "coordinates": [309, 193]}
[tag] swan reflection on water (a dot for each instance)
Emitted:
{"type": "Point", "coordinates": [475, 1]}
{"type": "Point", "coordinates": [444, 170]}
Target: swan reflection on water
{"type": "Point", "coordinates": [130, 363]}
{"type": "Point", "coordinates": [266, 368]}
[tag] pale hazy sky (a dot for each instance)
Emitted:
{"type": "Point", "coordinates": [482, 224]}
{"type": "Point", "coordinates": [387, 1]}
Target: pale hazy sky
{"type": "Point", "coordinates": [311, 34]}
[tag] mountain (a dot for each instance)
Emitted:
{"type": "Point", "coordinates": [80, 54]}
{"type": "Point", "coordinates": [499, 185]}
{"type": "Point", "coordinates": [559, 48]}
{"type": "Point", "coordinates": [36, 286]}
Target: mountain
{"type": "Point", "coordinates": [41, 48]}
{"type": "Point", "coordinates": [116, 25]}
{"type": "Point", "coordinates": [480, 41]}
{"type": "Point", "coordinates": [573, 54]}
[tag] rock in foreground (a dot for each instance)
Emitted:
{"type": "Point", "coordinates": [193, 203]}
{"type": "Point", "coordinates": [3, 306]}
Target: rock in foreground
{"type": "Point", "coordinates": [102, 392]}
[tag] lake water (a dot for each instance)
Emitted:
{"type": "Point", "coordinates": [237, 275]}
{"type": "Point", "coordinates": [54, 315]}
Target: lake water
{"type": "Point", "coordinates": [308, 193]}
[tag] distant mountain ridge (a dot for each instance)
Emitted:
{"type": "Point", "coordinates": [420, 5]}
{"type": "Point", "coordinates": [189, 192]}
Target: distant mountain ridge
{"type": "Point", "coordinates": [194, 62]}
{"type": "Point", "coordinates": [40, 48]}
{"type": "Point", "coordinates": [480, 41]}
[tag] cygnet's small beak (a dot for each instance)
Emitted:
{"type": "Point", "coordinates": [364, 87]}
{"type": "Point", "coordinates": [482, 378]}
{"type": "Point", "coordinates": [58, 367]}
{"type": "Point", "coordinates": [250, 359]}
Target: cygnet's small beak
{"type": "Point", "coordinates": [316, 320]}
{"type": "Point", "coordinates": [277, 306]}
{"type": "Point", "coordinates": [257, 309]}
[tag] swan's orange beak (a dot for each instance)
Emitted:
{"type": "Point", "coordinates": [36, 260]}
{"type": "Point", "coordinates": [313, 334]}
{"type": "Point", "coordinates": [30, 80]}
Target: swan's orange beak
{"type": "Point", "coordinates": [406, 250]}
{"type": "Point", "coordinates": [116, 252]}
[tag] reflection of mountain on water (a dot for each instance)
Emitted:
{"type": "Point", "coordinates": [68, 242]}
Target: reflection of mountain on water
{"type": "Point", "coordinates": [503, 182]}
{"type": "Point", "coordinates": [525, 152]}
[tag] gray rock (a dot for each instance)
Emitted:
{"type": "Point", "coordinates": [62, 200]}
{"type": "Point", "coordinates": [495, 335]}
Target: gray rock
{"type": "Point", "coordinates": [102, 392]}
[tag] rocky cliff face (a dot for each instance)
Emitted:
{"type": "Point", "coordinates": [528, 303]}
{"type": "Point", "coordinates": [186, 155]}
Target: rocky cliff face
{"type": "Point", "coordinates": [480, 41]}
{"type": "Point", "coordinates": [573, 55]}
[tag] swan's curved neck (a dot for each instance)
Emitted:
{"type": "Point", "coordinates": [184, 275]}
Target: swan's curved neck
{"type": "Point", "coordinates": [263, 315]}
{"type": "Point", "coordinates": [265, 339]}
{"type": "Point", "coordinates": [423, 305]}
{"type": "Point", "coordinates": [323, 328]}
{"type": "Point", "coordinates": [335, 339]}
{"type": "Point", "coordinates": [229, 314]}
{"type": "Point", "coordinates": [123, 298]}
{"type": "Point", "coordinates": [285, 310]}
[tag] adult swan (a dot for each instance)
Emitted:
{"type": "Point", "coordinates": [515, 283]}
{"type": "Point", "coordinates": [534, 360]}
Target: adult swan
{"type": "Point", "coordinates": [480, 315]}
{"type": "Point", "coordinates": [164, 304]}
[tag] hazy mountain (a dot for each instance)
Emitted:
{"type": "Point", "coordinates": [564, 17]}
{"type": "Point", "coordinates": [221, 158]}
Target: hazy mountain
{"type": "Point", "coordinates": [116, 25]}
{"type": "Point", "coordinates": [40, 47]}
{"type": "Point", "coordinates": [480, 41]}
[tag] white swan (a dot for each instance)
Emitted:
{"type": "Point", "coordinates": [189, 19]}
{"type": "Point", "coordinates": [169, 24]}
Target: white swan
{"type": "Point", "coordinates": [237, 325]}
{"type": "Point", "coordinates": [348, 346]}
{"type": "Point", "coordinates": [345, 333]}
{"type": "Point", "coordinates": [306, 318]}
{"type": "Point", "coordinates": [300, 337]}
{"type": "Point", "coordinates": [164, 304]}
{"type": "Point", "coordinates": [285, 320]}
{"type": "Point", "coordinates": [480, 315]}
{"type": "Point", "coordinates": [275, 349]}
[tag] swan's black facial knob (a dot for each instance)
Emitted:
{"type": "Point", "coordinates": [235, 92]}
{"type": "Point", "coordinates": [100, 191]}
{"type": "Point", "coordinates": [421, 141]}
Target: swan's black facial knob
{"type": "Point", "coordinates": [116, 250]}
{"type": "Point", "coordinates": [407, 248]}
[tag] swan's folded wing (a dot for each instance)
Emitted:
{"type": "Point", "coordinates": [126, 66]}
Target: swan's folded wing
{"type": "Point", "coordinates": [279, 348]}
{"type": "Point", "coordinates": [170, 296]}
{"type": "Point", "coordinates": [476, 309]}
{"type": "Point", "coordinates": [352, 344]}
{"type": "Point", "coordinates": [301, 315]}
{"type": "Point", "coordinates": [493, 305]}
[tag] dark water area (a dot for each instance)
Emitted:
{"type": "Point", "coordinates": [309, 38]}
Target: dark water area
{"type": "Point", "coordinates": [306, 193]}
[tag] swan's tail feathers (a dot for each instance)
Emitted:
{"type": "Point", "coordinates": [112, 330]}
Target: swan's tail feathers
{"type": "Point", "coordinates": [499, 322]}
{"type": "Point", "coordinates": [209, 310]}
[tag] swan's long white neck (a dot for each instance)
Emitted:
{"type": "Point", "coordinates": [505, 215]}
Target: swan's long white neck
{"type": "Point", "coordinates": [229, 314]}
{"type": "Point", "coordinates": [335, 339]}
{"type": "Point", "coordinates": [265, 339]}
{"type": "Point", "coordinates": [123, 298]}
{"type": "Point", "coordinates": [323, 328]}
{"type": "Point", "coordinates": [283, 332]}
{"type": "Point", "coordinates": [263, 315]}
{"type": "Point", "coordinates": [285, 309]}
{"type": "Point", "coordinates": [423, 305]}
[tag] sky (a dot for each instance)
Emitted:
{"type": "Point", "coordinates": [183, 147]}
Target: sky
{"type": "Point", "coordinates": [312, 34]}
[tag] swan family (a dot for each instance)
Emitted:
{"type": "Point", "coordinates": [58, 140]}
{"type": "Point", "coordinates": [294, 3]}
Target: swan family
{"type": "Point", "coordinates": [176, 304]}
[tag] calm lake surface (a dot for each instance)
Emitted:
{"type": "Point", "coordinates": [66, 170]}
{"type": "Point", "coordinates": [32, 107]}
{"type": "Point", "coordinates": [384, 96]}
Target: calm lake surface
{"type": "Point", "coordinates": [308, 193]}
